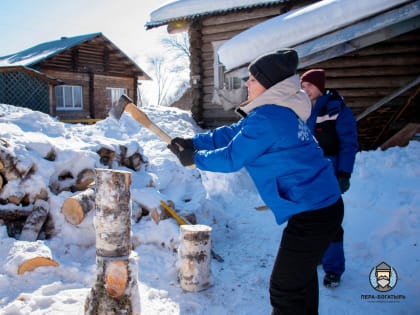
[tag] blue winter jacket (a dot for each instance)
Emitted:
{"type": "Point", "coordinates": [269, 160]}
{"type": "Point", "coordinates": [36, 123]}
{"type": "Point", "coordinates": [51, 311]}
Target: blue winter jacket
{"type": "Point", "coordinates": [334, 126]}
{"type": "Point", "coordinates": [280, 154]}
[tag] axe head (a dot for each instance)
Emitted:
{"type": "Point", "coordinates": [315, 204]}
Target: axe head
{"type": "Point", "coordinates": [118, 109]}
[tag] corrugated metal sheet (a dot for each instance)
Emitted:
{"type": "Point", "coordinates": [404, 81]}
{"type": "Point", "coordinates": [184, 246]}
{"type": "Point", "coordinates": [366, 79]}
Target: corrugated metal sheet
{"type": "Point", "coordinates": [43, 51]}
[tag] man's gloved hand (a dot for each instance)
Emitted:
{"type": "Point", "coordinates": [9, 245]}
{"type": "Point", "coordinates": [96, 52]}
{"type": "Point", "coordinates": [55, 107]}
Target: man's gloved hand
{"type": "Point", "coordinates": [185, 143]}
{"type": "Point", "coordinates": [343, 181]}
{"type": "Point", "coordinates": [185, 155]}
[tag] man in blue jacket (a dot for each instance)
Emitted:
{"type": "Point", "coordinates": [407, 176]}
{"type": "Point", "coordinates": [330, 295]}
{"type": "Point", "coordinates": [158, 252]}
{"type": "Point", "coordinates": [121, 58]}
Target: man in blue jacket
{"type": "Point", "coordinates": [274, 144]}
{"type": "Point", "coordinates": [335, 128]}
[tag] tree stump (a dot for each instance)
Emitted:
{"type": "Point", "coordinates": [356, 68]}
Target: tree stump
{"type": "Point", "coordinates": [194, 254]}
{"type": "Point", "coordinates": [116, 288]}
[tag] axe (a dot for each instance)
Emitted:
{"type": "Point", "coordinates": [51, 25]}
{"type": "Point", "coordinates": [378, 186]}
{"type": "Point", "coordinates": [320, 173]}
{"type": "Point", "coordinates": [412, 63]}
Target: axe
{"type": "Point", "coordinates": [125, 104]}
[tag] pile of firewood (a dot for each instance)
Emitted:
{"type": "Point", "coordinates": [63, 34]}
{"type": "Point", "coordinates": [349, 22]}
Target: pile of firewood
{"type": "Point", "coordinates": [25, 212]}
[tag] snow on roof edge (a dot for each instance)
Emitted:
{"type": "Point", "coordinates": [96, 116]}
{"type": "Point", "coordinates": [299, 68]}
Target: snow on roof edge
{"type": "Point", "coordinates": [313, 20]}
{"type": "Point", "coordinates": [190, 9]}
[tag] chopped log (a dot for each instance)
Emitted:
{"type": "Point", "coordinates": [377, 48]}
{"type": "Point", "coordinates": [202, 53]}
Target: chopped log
{"type": "Point", "coordinates": [43, 194]}
{"type": "Point", "coordinates": [84, 179]}
{"type": "Point", "coordinates": [2, 182]}
{"type": "Point", "coordinates": [106, 156]}
{"type": "Point", "coordinates": [27, 256]}
{"type": "Point", "coordinates": [1, 165]}
{"type": "Point", "coordinates": [16, 199]}
{"type": "Point", "coordinates": [75, 208]}
{"type": "Point", "coordinates": [194, 257]}
{"type": "Point", "coordinates": [63, 182]}
{"type": "Point", "coordinates": [116, 286]}
{"type": "Point", "coordinates": [112, 200]}
{"type": "Point", "coordinates": [135, 161]}
{"type": "Point", "coordinates": [35, 221]}
{"type": "Point", "coordinates": [12, 213]}
{"type": "Point", "coordinates": [14, 167]}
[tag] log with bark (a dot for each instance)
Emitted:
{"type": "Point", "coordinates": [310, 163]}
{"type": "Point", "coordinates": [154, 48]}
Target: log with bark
{"type": "Point", "coordinates": [27, 256]}
{"type": "Point", "coordinates": [106, 155]}
{"type": "Point", "coordinates": [194, 254]}
{"type": "Point", "coordinates": [133, 161]}
{"type": "Point", "coordinates": [85, 178]}
{"type": "Point", "coordinates": [14, 167]}
{"type": "Point", "coordinates": [66, 181]}
{"type": "Point", "coordinates": [76, 208]}
{"type": "Point", "coordinates": [35, 221]}
{"type": "Point", "coordinates": [116, 288]}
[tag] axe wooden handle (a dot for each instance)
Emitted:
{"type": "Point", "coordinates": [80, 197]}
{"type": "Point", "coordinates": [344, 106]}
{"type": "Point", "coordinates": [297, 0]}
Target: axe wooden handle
{"type": "Point", "coordinates": [142, 118]}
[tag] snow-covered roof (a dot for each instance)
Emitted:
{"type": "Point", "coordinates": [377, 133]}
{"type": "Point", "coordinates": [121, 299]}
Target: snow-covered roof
{"type": "Point", "coordinates": [43, 51]}
{"type": "Point", "coordinates": [190, 9]}
{"type": "Point", "coordinates": [298, 26]}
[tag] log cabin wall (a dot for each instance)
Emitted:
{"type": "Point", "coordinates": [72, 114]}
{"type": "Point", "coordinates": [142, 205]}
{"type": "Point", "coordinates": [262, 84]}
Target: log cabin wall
{"type": "Point", "coordinates": [101, 83]}
{"type": "Point", "coordinates": [208, 30]}
{"type": "Point", "coordinates": [363, 77]}
{"type": "Point", "coordinates": [91, 62]}
{"type": "Point", "coordinates": [96, 103]}
{"type": "Point", "coordinates": [368, 75]}
{"type": "Point", "coordinates": [72, 78]}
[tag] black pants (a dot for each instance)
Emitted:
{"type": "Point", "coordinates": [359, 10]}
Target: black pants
{"type": "Point", "coordinates": [294, 280]}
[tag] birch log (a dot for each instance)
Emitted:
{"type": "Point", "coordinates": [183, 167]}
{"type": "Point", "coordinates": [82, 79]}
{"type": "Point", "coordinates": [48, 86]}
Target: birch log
{"type": "Point", "coordinates": [194, 254]}
{"type": "Point", "coordinates": [35, 221]}
{"type": "Point", "coordinates": [116, 288]}
{"type": "Point", "coordinates": [27, 256]}
{"type": "Point", "coordinates": [112, 218]}
{"type": "Point", "coordinates": [75, 208]}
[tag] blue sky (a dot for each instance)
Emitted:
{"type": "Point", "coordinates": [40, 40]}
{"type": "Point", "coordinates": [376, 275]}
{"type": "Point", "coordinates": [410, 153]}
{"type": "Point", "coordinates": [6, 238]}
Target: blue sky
{"type": "Point", "coordinates": [25, 23]}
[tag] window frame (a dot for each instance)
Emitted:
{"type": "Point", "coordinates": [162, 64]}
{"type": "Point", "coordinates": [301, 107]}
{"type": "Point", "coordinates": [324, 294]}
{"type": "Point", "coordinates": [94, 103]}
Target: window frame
{"type": "Point", "coordinates": [113, 94]}
{"type": "Point", "coordinates": [73, 94]}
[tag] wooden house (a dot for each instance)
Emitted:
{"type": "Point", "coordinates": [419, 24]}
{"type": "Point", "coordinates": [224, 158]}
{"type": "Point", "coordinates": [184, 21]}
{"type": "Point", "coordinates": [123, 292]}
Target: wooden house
{"type": "Point", "coordinates": [73, 78]}
{"type": "Point", "coordinates": [373, 60]}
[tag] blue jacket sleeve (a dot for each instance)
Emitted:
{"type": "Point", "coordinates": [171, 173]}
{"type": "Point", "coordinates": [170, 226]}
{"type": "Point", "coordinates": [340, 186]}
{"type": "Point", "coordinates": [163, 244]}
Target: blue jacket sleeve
{"type": "Point", "coordinates": [346, 128]}
{"type": "Point", "coordinates": [251, 139]}
{"type": "Point", "coordinates": [218, 138]}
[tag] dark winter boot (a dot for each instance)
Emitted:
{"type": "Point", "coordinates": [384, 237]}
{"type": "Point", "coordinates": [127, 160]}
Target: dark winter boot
{"type": "Point", "coordinates": [331, 280]}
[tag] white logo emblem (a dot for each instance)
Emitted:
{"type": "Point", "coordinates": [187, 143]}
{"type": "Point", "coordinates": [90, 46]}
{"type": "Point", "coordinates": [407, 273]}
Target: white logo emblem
{"type": "Point", "coordinates": [303, 131]}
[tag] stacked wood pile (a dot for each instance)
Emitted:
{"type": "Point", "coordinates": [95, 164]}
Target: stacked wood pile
{"type": "Point", "coordinates": [24, 194]}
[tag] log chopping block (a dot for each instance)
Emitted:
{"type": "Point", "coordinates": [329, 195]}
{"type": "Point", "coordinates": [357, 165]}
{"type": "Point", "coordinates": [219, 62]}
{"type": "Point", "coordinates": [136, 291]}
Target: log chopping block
{"type": "Point", "coordinates": [194, 255]}
{"type": "Point", "coordinates": [116, 288]}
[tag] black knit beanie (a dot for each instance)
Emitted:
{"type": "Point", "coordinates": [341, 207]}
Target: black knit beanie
{"type": "Point", "coordinates": [274, 67]}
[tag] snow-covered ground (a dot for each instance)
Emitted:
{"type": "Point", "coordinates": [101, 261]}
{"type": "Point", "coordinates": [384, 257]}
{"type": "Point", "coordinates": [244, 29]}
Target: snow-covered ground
{"type": "Point", "coordinates": [381, 225]}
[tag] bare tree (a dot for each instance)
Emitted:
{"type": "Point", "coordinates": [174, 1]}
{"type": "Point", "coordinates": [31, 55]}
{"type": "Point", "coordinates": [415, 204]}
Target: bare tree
{"type": "Point", "coordinates": [170, 70]}
{"type": "Point", "coordinates": [179, 42]}
{"type": "Point", "coordinates": [162, 79]}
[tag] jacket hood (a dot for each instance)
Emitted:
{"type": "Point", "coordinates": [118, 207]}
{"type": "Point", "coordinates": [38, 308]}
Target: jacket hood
{"type": "Point", "coordinates": [286, 93]}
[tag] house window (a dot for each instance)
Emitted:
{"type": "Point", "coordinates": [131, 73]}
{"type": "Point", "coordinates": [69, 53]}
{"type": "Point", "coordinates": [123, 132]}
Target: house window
{"type": "Point", "coordinates": [222, 81]}
{"type": "Point", "coordinates": [113, 95]}
{"type": "Point", "coordinates": [219, 68]}
{"type": "Point", "coordinates": [69, 97]}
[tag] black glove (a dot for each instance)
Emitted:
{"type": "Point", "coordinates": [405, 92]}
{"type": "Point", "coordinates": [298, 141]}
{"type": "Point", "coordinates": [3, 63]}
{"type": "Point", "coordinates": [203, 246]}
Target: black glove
{"type": "Point", "coordinates": [185, 155]}
{"type": "Point", "coordinates": [185, 143]}
{"type": "Point", "coordinates": [343, 181]}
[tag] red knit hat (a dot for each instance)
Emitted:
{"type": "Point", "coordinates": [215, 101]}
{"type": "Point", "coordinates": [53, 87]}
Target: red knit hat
{"type": "Point", "coordinates": [316, 77]}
